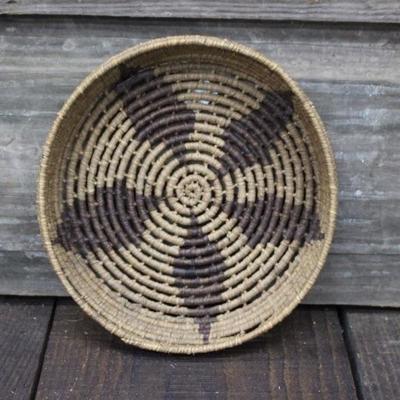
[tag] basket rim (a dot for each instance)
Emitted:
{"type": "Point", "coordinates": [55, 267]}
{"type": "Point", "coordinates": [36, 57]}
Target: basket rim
{"type": "Point", "coordinates": [147, 47]}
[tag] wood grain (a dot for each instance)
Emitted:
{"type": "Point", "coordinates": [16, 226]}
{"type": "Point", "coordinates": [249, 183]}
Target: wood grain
{"type": "Point", "coordinates": [310, 10]}
{"type": "Point", "coordinates": [23, 331]}
{"type": "Point", "coordinates": [340, 68]}
{"type": "Point", "coordinates": [354, 279]}
{"type": "Point", "coordinates": [358, 279]}
{"type": "Point", "coordinates": [374, 340]}
{"type": "Point", "coordinates": [26, 273]}
{"type": "Point", "coordinates": [303, 358]}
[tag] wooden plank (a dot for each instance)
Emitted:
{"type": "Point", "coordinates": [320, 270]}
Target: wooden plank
{"type": "Point", "coordinates": [313, 10]}
{"type": "Point", "coordinates": [303, 358]}
{"type": "Point", "coordinates": [354, 279]}
{"type": "Point", "coordinates": [23, 332]}
{"type": "Point", "coordinates": [28, 274]}
{"type": "Point", "coordinates": [340, 68]}
{"type": "Point", "coordinates": [373, 336]}
{"type": "Point", "coordinates": [358, 279]}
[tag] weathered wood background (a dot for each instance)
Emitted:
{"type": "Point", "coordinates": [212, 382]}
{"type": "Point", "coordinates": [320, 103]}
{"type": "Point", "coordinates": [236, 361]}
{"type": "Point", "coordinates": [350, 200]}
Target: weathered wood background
{"type": "Point", "coordinates": [345, 55]}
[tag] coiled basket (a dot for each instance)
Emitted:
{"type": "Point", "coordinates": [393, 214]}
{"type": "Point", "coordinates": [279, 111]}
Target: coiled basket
{"type": "Point", "coordinates": [187, 194]}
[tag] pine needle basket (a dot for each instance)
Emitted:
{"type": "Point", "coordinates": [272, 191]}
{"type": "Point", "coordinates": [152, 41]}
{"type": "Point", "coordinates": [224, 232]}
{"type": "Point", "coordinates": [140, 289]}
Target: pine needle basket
{"type": "Point", "coordinates": [187, 194]}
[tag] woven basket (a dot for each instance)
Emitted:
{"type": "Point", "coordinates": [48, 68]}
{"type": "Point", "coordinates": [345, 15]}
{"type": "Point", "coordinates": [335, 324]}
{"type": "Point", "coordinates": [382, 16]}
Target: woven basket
{"type": "Point", "coordinates": [187, 194]}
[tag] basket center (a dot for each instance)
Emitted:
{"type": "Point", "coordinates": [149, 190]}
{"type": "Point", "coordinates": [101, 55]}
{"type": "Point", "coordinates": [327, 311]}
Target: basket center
{"type": "Point", "coordinates": [191, 190]}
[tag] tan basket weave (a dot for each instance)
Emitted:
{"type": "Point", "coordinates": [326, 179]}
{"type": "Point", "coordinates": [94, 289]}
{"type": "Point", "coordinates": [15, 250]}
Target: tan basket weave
{"type": "Point", "coordinates": [187, 195]}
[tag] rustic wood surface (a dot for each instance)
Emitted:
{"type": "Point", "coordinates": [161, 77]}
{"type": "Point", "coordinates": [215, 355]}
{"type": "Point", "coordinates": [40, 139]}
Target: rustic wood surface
{"type": "Point", "coordinates": [303, 358]}
{"type": "Point", "coordinates": [349, 71]}
{"type": "Point", "coordinates": [25, 273]}
{"type": "Point", "coordinates": [375, 343]}
{"type": "Point", "coordinates": [23, 331]}
{"type": "Point", "coordinates": [312, 354]}
{"type": "Point", "coordinates": [358, 279]}
{"type": "Point", "coordinates": [305, 10]}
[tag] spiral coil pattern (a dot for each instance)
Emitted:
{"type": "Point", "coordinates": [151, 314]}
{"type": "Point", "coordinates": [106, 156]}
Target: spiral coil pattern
{"type": "Point", "coordinates": [187, 202]}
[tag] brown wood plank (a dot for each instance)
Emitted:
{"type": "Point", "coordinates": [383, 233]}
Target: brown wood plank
{"type": "Point", "coordinates": [312, 10]}
{"type": "Point", "coordinates": [24, 326]}
{"type": "Point", "coordinates": [303, 358]}
{"type": "Point", "coordinates": [374, 341]}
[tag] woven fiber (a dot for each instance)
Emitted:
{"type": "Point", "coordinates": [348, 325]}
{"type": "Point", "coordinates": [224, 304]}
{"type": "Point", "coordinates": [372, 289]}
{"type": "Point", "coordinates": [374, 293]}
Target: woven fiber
{"type": "Point", "coordinates": [187, 195]}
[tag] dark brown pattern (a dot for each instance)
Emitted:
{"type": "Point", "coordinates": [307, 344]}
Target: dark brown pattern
{"type": "Point", "coordinates": [114, 217]}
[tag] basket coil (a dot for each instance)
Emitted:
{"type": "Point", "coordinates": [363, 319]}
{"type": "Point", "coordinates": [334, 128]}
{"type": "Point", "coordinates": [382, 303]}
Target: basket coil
{"type": "Point", "coordinates": [187, 195]}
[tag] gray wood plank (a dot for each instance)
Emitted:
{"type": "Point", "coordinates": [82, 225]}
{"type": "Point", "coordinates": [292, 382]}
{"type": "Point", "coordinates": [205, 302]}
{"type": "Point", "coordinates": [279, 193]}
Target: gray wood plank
{"type": "Point", "coordinates": [28, 274]}
{"type": "Point", "coordinates": [373, 336]}
{"type": "Point", "coordinates": [313, 10]}
{"type": "Point", "coordinates": [23, 332]}
{"type": "Point", "coordinates": [358, 279]}
{"type": "Point", "coordinates": [340, 68]}
{"type": "Point", "coordinates": [353, 279]}
{"type": "Point", "coordinates": [303, 358]}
